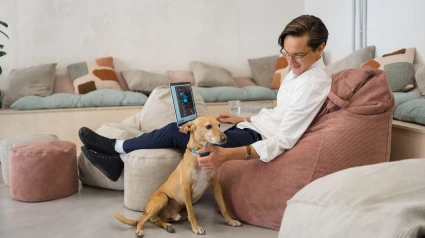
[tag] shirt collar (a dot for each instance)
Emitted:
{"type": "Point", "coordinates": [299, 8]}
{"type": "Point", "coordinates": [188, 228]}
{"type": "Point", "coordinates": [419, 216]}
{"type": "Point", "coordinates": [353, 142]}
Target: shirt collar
{"type": "Point", "coordinates": [316, 64]}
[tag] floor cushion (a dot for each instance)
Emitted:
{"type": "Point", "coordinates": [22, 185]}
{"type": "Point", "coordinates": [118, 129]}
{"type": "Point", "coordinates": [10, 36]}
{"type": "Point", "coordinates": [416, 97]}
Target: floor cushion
{"type": "Point", "coordinates": [43, 170]}
{"type": "Point", "coordinates": [352, 129]}
{"type": "Point", "coordinates": [144, 172]}
{"type": "Point", "coordinates": [382, 200]}
{"type": "Point", "coordinates": [10, 142]}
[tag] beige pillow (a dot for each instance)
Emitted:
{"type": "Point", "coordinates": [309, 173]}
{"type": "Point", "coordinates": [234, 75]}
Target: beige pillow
{"type": "Point", "coordinates": [353, 60]}
{"type": "Point", "coordinates": [158, 110]}
{"type": "Point", "coordinates": [263, 69]}
{"type": "Point", "coordinates": [36, 80]}
{"type": "Point", "coordinates": [420, 78]}
{"type": "Point", "coordinates": [143, 81]}
{"type": "Point", "coordinates": [402, 55]}
{"type": "Point", "coordinates": [178, 76]}
{"type": "Point", "coordinates": [207, 75]}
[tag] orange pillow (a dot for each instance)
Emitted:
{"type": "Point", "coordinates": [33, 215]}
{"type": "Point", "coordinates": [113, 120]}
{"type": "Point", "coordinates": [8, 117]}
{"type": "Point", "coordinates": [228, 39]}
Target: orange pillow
{"type": "Point", "coordinates": [281, 70]}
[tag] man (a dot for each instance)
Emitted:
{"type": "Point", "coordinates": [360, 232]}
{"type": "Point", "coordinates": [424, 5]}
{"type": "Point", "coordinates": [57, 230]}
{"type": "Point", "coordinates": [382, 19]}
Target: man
{"type": "Point", "coordinates": [264, 136]}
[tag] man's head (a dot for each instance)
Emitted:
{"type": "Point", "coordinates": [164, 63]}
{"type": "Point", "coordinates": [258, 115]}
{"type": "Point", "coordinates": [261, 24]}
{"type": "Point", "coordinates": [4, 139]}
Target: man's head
{"type": "Point", "coordinates": [303, 41]}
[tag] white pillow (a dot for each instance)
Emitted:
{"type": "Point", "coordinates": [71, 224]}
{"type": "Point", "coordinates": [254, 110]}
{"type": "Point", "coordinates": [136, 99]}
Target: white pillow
{"type": "Point", "coordinates": [207, 75]}
{"type": "Point", "coordinates": [382, 200]}
{"type": "Point", "coordinates": [353, 60]}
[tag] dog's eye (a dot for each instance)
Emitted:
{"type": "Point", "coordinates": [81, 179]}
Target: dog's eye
{"type": "Point", "coordinates": [208, 127]}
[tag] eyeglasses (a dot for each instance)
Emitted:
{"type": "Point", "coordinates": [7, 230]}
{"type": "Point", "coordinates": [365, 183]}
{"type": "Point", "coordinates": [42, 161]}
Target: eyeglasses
{"type": "Point", "coordinates": [297, 57]}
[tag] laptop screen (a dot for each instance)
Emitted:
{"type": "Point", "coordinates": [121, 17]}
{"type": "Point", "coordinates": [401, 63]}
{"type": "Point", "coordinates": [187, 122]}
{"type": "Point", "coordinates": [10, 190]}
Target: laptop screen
{"type": "Point", "coordinates": [183, 102]}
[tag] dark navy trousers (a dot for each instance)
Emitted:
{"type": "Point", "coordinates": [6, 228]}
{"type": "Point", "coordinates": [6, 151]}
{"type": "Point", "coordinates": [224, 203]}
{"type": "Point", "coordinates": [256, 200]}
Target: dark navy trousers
{"type": "Point", "coordinates": [170, 137]}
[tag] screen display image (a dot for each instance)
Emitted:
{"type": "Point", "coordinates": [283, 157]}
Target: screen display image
{"type": "Point", "coordinates": [183, 103]}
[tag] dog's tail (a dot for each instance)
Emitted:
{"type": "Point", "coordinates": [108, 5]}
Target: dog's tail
{"type": "Point", "coordinates": [126, 220]}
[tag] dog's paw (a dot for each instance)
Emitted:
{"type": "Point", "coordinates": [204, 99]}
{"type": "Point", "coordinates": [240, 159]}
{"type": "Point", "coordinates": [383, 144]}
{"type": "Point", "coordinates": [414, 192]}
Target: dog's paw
{"type": "Point", "coordinates": [234, 223]}
{"type": "Point", "coordinates": [170, 228]}
{"type": "Point", "coordinates": [140, 233]}
{"type": "Point", "coordinates": [198, 230]}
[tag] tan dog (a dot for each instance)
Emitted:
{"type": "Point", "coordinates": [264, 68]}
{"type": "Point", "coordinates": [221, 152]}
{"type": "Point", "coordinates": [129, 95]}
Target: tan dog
{"type": "Point", "coordinates": [186, 184]}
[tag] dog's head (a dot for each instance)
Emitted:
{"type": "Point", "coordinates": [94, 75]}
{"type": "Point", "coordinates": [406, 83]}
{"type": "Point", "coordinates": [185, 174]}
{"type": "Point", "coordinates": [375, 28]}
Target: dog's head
{"type": "Point", "coordinates": [205, 130]}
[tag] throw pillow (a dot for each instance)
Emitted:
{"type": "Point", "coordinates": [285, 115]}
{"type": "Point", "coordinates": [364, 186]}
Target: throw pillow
{"type": "Point", "coordinates": [353, 60]}
{"type": "Point", "coordinates": [281, 70]}
{"type": "Point", "coordinates": [207, 75]}
{"type": "Point", "coordinates": [400, 76]}
{"type": "Point", "coordinates": [63, 84]}
{"type": "Point", "coordinates": [242, 82]}
{"type": "Point", "coordinates": [420, 78]}
{"type": "Point", "coordinates": [143, 81]}
{"type": "Point", "coordinates": [403, 55]}
{"type": "Point", "coordinates": [263, 69]}
{"type": "Point", "coordinates": [93, 75]}
{"type": "Point", "coordinates": [411, 111]}
{"type": "Point", "coordinates": [36, 80]}
{"type": "Point", "coordinates": [178, 76]}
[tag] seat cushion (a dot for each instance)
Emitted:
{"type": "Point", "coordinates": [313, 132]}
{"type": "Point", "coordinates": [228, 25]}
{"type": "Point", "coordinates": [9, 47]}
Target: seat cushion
{"type": "Point", "coordinates": [144, 172]}
{"type": "Point", "coordinates": [382, 200]}
{"type": "Point", "coordinates": [411, 111]}
{"type": "Point", "coordinates": [43, 170]}
{"type": "Point", "coordinates": [352, 129]}
{"type": "Point", "coordinates": [10, 142]}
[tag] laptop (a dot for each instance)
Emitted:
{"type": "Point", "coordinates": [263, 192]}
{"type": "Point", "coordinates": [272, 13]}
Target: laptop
{"type": "Point", "coordinates": [184, 104]}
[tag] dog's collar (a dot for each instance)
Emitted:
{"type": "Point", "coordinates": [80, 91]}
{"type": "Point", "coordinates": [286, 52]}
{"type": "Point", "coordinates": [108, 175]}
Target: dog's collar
{"type": "Point", "coordinates": [196, 152]}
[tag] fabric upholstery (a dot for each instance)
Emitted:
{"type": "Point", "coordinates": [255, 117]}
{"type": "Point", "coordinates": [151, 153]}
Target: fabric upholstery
{"type": "Point", "coordinates": [36, 80]}
{"type": "Point", "coordinates": [381, 201]}
{"type": "Point", "coordinates": [402, 55]}
{"type": "Point", "coordinates": [411, 111]}
{"type": "Point", "coordinates": [93, 75]}
{"type": "Point", "coordinates": [144, 172]}
{"type": "Point", "coordinates": [263, 69]}
{"type": "Point", "coordinates": [143, 81]}
{"type": "Point", "coordinates": [420, 78]}
{"type": "Point", "coordinates": [400, 76]}
{"type": "Point", "coordinates": [242, 82]}
{"type": "Point", "coordinates": [353, 128]}
{"type": "Point", "coordinates": [401, 98]}
{"type": "Point", "coordinates": [178, 76]}
{"type": "Point", "coordinates": [353, 60]}
{"type": "Point", "coordinates": [224, 94]}
{"type": "Point", "coordinates": [42, 171]}
{"type": "Point", "coordinates": [10, 142]}
{"type": "Point", "coordinates": [97, 98]}
{"type": "Point", "coordinates": [207, 75]}
{"type": "Point", "coordinates": [63, 84]}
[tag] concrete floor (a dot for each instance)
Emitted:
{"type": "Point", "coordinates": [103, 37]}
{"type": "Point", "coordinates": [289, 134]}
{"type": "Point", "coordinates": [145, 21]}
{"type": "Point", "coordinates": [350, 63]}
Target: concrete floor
{"type": "Point", "coordinates": [88, 214]}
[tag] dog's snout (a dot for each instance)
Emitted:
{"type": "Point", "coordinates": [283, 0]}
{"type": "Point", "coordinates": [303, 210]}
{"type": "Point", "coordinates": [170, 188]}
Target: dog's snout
{"type": "Point", "coordinates": [223, 138]}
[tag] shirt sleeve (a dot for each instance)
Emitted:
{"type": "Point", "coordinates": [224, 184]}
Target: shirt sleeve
{"type": "Point", "coordinates": [302, 108]}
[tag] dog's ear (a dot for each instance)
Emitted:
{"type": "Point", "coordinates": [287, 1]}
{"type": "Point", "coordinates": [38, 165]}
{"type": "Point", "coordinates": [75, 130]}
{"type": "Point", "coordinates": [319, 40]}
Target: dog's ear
{"type": "Point", "coordinates": [187, 127]}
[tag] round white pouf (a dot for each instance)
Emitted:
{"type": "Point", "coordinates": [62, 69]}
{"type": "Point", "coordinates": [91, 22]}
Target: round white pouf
{"type": "Point", "coordinates": [10, 142]}
{"type": "Point", "coordinates": [144, 172]}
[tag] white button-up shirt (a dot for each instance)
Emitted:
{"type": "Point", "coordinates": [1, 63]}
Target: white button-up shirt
{"type": "Point", "coordinates": [299, 99]}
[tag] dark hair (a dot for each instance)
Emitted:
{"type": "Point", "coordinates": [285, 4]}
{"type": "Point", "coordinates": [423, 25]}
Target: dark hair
{"type": "Point", "coordinates": [306, 24]}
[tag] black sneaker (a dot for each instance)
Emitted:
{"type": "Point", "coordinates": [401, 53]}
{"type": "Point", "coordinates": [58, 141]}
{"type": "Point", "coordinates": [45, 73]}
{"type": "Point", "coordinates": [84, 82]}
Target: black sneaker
{"type": "Point", "coordinates": [96, 142]}
{"type": "Point", "coordinates": [110, 165]}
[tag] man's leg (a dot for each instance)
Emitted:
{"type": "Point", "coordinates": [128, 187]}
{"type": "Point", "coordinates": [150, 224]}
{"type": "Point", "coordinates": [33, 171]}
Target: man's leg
{"type": "Point", "coordinates": [100, 151]}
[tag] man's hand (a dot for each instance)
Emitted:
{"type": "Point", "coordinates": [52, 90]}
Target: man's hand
{"type": "Point", "coordinates": [229, 118]}
{"type": "Point", "coordinates": [217, 156]}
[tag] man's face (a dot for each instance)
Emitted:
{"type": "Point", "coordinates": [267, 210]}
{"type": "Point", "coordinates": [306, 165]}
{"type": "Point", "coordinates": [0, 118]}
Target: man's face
{"type": "Point", "coordinates": [302, 56]}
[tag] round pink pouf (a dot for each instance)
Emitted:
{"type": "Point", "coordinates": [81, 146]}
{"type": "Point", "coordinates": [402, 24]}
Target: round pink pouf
{"type": "Point", "coordinates": [42, 171]}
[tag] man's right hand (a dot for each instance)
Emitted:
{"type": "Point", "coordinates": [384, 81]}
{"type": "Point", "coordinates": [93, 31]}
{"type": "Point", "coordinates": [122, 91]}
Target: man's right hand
{"type": "Point", "coordinates": [229, 118]}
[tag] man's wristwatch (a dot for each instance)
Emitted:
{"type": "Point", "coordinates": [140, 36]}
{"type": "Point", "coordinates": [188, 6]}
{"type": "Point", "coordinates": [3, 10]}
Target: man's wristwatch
{"type": "Point", "coordinates": [248, 155]}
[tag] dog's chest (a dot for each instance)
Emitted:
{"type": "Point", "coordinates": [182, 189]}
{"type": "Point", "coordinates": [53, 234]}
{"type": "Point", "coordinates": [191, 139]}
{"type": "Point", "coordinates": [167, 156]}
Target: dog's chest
{"type": "Point", "coordinates": [201, 180]}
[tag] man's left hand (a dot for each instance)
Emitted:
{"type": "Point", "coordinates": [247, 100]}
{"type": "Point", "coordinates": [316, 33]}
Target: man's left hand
{"type": "Point", "coordinates": [214, 160]}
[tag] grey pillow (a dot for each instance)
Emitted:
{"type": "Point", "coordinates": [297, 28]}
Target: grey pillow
{"type": "Point", "coordinates": [411, 111]}
{"type": "Point", "coordinates": [36, 80]}
{"type": "Point", "coordinates": [207, 75]}
{"type": "Point", "coordinates": [143, 81]}
{"type": "Point", "coordinates": [420, 78]}
{"type": "Point", "coordinates": [353, 60]}
{"type": "Point", "coordinates": [400, 76]}
{"type": "Point", "coordinates": [262, 69]}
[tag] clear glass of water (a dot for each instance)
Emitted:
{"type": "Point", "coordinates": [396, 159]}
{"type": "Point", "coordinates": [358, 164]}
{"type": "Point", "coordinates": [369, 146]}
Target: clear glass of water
{"type": "Point", "coordinates": [235, 107]}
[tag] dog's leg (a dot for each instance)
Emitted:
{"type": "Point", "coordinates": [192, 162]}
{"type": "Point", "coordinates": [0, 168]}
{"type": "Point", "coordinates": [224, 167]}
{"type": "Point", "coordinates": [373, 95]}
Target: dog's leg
{"type": "Point", "coordinates": [218, 195]}
{"type": "Point", "coordinates": [191, 213]}
{"type": "Point", "coordinates": [155, 205]}
{"type": "Point", "coordinates": [167, 226]}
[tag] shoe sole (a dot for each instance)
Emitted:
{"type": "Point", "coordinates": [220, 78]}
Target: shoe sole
{"type": "Point", "coordinates": [95, 164]}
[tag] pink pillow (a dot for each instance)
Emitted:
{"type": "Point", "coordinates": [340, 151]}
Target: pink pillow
{"type": "Point", "coordinates": [122, 83]}
{"type": "Point", "coordinates": [177, 76]}
{"type": "Point", "coordinates": [244, 81]}
{"type": "Point", "coordinates": [63, 84]}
